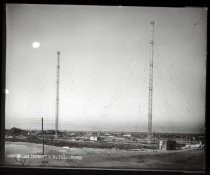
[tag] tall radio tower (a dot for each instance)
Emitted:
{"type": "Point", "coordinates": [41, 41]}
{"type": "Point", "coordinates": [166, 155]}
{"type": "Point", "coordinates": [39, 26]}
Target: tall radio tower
{"type": "Point", "coordinates": [57, 95]}
{"type": "Point", "coordinates": [149, 134]}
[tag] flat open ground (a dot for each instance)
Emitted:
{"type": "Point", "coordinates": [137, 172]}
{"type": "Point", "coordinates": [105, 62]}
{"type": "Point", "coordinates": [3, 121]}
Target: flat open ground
{"type": "Point", "coordinates": [107, 158]}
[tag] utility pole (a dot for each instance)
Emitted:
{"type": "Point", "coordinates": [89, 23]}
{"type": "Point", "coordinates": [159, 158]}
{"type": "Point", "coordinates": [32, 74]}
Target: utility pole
{"type": "Point", "coordinates": [42, 137]}
{"type": "Point", "coordinates": [149, 134]}
{"type": "Point", "coordinates": [57, 95]}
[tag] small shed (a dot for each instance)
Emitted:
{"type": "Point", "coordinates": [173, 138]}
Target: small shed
{"type": "Point", "coordinates": [171, 145]}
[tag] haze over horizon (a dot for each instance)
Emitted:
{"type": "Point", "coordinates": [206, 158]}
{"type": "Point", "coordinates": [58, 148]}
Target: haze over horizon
{"type": "Point", "coordinates": [104, 67]}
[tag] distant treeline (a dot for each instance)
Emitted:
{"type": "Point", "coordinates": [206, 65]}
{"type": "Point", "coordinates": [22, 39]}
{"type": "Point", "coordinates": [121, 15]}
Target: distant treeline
{"type": "Point", "coordinates": [18, 130]}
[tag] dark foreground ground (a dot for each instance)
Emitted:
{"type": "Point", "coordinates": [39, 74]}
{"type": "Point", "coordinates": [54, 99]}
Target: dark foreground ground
{"type": "Point", "coordinates": [193, 159]}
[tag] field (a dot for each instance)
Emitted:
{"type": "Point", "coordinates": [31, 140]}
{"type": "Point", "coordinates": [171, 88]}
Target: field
{"type": "Point", "coordinates": [192, 159]}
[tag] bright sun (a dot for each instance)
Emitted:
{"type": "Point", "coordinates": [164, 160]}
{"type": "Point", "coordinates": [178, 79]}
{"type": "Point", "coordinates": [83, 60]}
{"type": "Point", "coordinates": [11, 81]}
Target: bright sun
{"type": "Point", "coordinates": [35, 44]}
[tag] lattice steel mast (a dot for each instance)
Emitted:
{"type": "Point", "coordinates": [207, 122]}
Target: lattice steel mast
{"type": "Point", "coordinates": [149, 134]}
{"type": "Point", "coordinates": [57, 94]}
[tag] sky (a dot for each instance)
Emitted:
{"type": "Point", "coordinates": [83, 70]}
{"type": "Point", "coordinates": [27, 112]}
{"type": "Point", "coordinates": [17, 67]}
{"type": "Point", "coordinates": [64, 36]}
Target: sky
{"type": "Point", "coordinates": [104, 67]}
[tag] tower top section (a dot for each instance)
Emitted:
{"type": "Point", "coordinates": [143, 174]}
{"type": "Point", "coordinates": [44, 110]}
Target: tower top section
{"type": "Point", "coordinates": [58, 52]}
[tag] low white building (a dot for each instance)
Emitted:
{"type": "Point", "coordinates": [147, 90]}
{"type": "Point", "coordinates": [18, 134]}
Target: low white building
{"type": "Point", "coordinates": [162, 145]}
{"type": "Point", "coordinates": [187, 146]}
{"type": "Point", "coordinates": [93, 138]}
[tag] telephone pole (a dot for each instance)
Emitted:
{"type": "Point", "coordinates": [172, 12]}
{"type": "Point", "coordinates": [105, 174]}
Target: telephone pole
{"type": "Point", "coordinates": [42, 137]}
{"type": "Point", "coordinates": [57, 94]}
{"type": "Point", "coordinates": [149, 134]}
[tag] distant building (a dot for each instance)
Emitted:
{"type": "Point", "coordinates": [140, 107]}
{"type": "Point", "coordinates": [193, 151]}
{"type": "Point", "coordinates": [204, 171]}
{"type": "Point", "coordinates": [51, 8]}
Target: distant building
{"type": "Point", "coordinates": [8, 137]}
{"type": "Point", "coordinates": [187, 146]}
{"type": "Point", "coordinates": [171, 145]}
{"type": "Point", "coordinates": [161, 144]}
{"type": "Point", "coordinates": [93, 138]}
{"type": "Point", "coordinates": [167, 145]}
